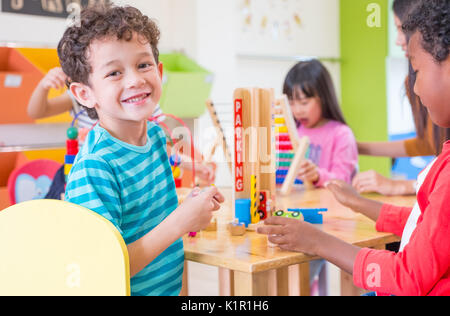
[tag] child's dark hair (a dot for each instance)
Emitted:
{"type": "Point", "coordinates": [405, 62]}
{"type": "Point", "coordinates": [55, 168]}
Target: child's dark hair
{"type": "Point", "coordinates": [402, 8]}
{"type": "Point", "coordinates": [309, 79]}
{"type": "Point", "coordinates": [98, 22]}
{"type": "Point", "coordinates": [432, 19]}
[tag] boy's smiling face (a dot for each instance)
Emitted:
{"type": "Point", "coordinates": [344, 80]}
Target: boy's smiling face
{"type": "Point", "coordinates": [125, 82]}
{"type": "Point", "coordinates": [432, 81]}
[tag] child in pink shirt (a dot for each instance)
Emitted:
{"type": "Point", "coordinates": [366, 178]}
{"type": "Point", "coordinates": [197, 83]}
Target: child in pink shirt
{"type": "Point", "coordinates": [333, 153]}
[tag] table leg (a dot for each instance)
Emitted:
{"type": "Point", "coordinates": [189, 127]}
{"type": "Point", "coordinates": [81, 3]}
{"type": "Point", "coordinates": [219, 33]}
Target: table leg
{"type": "Point", "coordinates": [282, 276]}
{"type": "Point", "coordinates": [184, 288]}
{"type": "Point", "coordinates": [226, 282]}
{"type": "Point", "coordinates": [251, 284]}
{"type": "Point", "coordinates": [299, 280]}
{"type": "Point", "coordinates": [347, 286]}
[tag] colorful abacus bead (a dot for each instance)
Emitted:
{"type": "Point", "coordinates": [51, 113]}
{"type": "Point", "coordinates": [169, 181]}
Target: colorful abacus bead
{"type": "Point", "coordinates": [175, 160]}
{"type": "Point", "coordinates": [72, 133]}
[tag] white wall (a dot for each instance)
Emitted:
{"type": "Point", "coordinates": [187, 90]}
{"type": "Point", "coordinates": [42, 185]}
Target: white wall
{"type": "Point", "coordinates": [211, 32]}
{"type": "Point", "coordinates": [400, 119]}
{"type": "Point", "coordinates": [30, 30]}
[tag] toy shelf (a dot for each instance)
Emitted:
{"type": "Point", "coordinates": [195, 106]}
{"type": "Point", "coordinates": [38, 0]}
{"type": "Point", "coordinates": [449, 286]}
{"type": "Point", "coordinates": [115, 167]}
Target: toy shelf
{"type": "Point", "coordinates": [186, 86]}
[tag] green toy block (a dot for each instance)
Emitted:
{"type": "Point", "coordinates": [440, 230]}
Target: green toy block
{"type": "Point", "coordinates": [186, 86]}
{"type": "Point", "coordinates": [295, 215]}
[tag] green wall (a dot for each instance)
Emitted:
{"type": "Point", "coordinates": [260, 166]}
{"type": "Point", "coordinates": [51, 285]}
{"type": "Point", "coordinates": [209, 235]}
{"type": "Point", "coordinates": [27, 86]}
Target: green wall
{"type": "Point", "coordinates": [364, 50]}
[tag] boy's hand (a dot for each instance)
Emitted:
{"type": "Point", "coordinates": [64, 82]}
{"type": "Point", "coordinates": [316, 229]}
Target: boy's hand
{"type": "Point", "coordinates": [292, 234]}
{"type": "Point", "coordinates": [308, 172]}
{"type": "Point", "coordinates": [344, 193]}
{"type": "Point", "coordinates": [197, 210]}
{"type": "Point", "coordinates": [55, 79]}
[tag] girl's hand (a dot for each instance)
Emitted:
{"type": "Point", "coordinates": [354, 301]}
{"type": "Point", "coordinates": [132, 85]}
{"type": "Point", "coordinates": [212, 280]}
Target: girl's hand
{"type": "Point", "coordinates": [344, 193]}
{"type": "Point", "coordinates": [308, 172]}
{"type": "Point", "coordinates": [292, 234]}
{"type": "Point", "coordinates": [371, 181]}
{"type": "Point", "coordinates": [197, 210]}
{"type": "Point", "coordinates": [55, 79]}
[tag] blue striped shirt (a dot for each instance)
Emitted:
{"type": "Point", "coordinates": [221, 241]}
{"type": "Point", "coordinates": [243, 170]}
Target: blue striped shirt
{"type": "Point", "coordinates": [133, 187]}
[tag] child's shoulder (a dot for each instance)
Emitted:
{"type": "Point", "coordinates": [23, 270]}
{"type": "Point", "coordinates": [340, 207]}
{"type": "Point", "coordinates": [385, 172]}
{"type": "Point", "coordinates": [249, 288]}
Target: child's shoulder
{"type": "Point", "coordinates": [97, 142]}
{"type": "Point", "coordinates": [154, 129]}
{"type": "Point", "coordinates": [155, 133]}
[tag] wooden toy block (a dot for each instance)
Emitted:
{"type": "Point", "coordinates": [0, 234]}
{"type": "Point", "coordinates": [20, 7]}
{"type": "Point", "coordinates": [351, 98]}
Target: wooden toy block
{"type": "Point", "coordinates": [267, 177]}
{"type": "Point", "coordinates": [291, 213]}
{"type": "Point", "coordinates": [263, 205]}
{"type": "Point", "coordinates": [312, 215]}
{"type": "Point", "coordinates": [246, 140]}
{"type": "Point", "coordinates": [242, 211]}
{"type": "Point", "coordinates": [237, 229]}
{"type": "Point", "coordinates": [212, 227]}
{"type": "Point", "coordinates": [293, 170]}
{"type": "Point", "coordinates": [254, 201]}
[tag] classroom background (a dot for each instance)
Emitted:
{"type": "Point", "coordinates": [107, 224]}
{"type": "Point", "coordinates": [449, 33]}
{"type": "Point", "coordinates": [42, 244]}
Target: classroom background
{"type": "Point", "coordinates": [211, 47]}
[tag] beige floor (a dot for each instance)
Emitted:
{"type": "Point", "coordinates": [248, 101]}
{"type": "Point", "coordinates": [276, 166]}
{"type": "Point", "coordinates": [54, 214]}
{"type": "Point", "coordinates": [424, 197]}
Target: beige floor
{"type": "Point", "coordinates": [204, 280]}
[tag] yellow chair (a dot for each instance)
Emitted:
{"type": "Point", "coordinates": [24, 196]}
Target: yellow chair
{"type": "Point", "coordinates": [50, 247]}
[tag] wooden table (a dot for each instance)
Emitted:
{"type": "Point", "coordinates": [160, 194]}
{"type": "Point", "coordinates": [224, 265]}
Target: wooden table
{"type": "Point", "coordinates": [27, 137]}
{"type": "Point", "coordinates": [249, 267]}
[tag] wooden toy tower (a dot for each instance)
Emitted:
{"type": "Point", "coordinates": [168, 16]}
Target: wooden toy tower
{"type": "Point", "coordinates": [254, 156]}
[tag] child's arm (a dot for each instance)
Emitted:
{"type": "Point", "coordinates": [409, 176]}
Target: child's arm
{"type": "Point", "coordinates": [40, 106]}
{"type": "Point", "coordinates": [419, 147]}
{"type": "Point", "coordinates": [371, 181]}
{"type": "Point", "coordinates": [92, 184]}
{"type": "Point", "coordinates": [392, 149]}
{"type": "Point", "coordinates": [294, 235]}
{"type": "Point", "coordinates": [347, 196]}
{"type": "Point", "coordinates": [343, 157]}
{"type": "Point", "coordinates": [388, 218]}
{"type": "Point", "coordinates": [193, 215]}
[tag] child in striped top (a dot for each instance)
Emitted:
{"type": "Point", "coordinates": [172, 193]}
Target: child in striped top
{"type": "Point", "coordinates": [123, 171]}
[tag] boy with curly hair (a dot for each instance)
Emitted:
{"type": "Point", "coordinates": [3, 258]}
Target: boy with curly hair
{"type": "Point", "coordinates": [123, 172]}
{"type": "Point", "coordinates": [422, 266]}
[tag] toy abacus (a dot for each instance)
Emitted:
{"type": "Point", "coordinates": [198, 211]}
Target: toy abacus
{"type": "Point", "coordinates": [291, 149]}
{"type": "Point", "coordinates": [286, 137]}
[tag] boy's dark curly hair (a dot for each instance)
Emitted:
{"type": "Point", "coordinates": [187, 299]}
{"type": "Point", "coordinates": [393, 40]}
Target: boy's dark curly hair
{"type": "Point", "coordinates": [432, 19]}
{"type": "Point", "coordinates": [98, 22]}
